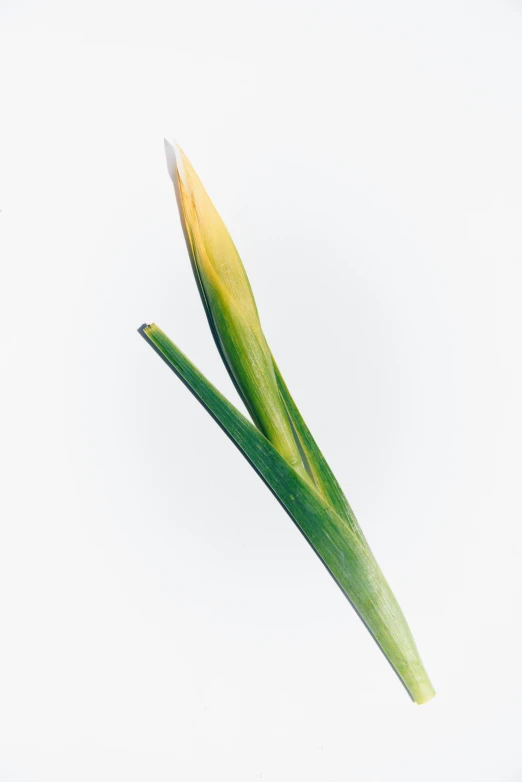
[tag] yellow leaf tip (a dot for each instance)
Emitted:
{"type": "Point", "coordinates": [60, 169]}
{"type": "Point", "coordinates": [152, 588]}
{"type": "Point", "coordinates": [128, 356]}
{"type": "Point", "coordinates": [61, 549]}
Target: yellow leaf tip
{"type": "Point", "coordinates": [176, 161]}
{"type": "Point", "coordinates": [171, 158]}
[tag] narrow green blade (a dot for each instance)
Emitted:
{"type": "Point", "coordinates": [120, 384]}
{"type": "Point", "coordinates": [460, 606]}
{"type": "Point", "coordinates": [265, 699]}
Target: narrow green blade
{"type": "Point", "coordinates": [343, 553]}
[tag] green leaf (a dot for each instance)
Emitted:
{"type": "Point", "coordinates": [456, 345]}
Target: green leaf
{"type": "Point", "coordinates": [341, 549]}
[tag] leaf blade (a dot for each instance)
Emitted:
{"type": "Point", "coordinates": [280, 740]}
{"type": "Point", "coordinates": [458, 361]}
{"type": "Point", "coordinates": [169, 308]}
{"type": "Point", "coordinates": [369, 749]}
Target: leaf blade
{"type": "Point", "coordinates": [345, 556]}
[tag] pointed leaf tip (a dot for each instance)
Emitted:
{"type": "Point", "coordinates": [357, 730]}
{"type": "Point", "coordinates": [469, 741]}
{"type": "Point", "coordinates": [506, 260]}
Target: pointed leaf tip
{"type": "Point", "coordinates": [170, 155]}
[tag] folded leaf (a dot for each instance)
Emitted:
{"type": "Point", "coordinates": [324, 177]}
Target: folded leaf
{"type": "Point", "coordinates": [231, 309]}
{"type": "Point", "coordinates": [324, 479]}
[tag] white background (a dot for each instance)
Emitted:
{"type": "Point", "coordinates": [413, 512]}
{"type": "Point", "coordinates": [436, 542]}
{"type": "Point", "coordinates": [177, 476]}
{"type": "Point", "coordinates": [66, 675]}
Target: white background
{"type": "Point", "coordinates": [160, 616]}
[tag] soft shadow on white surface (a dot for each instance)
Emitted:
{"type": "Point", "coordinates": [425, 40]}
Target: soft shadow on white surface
{"type": "Point", "coordinates": [161, 617]}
